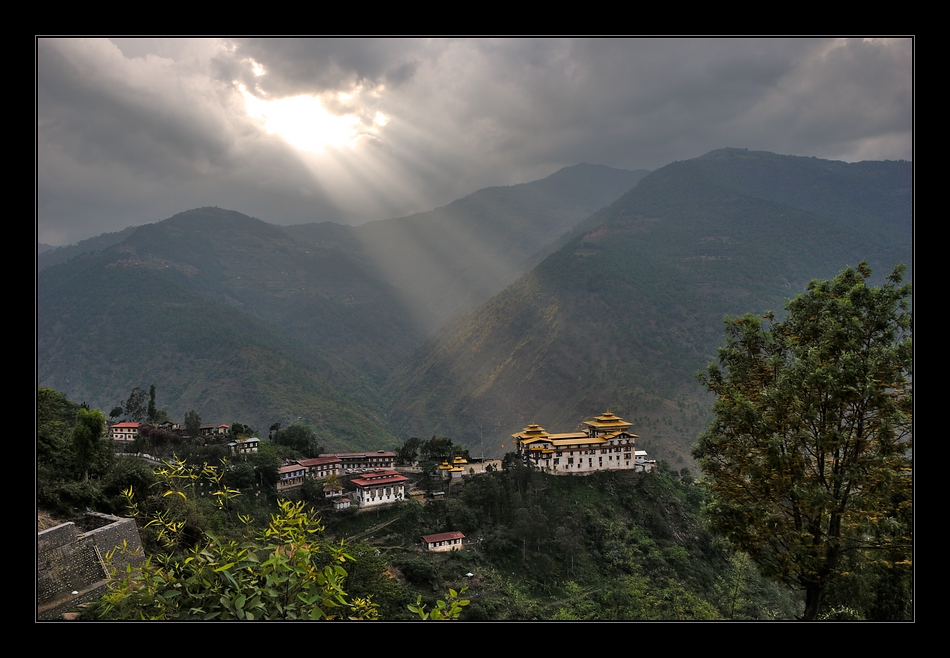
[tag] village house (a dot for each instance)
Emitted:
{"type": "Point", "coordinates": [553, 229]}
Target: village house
{"type": "Point", "coordinates": [340, 504]}
{"type": "Point", "coordinates": [351, 461]}
{"type": "Point", "coordinates": [170, 426]}
{"type": "Point", "coordinates": [380, 488]}
{"type": "Point", "coordinates": [606, 445]}
{"type": "Point", "coordinates": [444, 541]}
{"type": "Point", "coordinates": [290, 476]}
{"type": "Point", "coordinates": [210, 429]}
{"type": "Point", "coordinates": [244, 446]}
{"type": "Point", "coordinates": [124, 431]}
{"type": "Point", "coordinates": [321, 468]}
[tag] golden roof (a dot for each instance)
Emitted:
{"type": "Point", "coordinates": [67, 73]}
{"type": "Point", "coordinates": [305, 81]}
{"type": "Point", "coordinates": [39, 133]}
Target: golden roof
{"type": "Point", "coordinates": [607, 420]}
{"type": "Point", "coordinates": [532, 431]}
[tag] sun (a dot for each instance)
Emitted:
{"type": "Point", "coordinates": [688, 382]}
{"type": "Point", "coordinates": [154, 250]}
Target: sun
{"type": "Point", "coordinates": [304, 123]}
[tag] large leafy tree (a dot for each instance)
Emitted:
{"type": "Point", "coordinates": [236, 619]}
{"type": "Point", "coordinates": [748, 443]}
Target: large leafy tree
{"type": "Point", "coordinates": [192, 424]}
{"type": "Point", "coordinates": [302, 439]}
{"type": "Point", "coordinates": [91, 452]}
{"type": "Point", "coordinates": [136, 407]}
{"type": "Point", "coordinates": [809, 453]}
{"type": "Point", "coordinates": [55, 416]}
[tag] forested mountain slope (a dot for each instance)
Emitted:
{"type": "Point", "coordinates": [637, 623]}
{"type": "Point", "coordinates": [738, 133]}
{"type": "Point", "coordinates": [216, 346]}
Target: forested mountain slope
{"type": "Point", "coordinates": [244, 320]}
{"type": "Point", "coordinates": [625, 313]}
{"type": "Point", "coordinates": [109, 323]}
{"type": "Point", "coordinates": [446, 261]}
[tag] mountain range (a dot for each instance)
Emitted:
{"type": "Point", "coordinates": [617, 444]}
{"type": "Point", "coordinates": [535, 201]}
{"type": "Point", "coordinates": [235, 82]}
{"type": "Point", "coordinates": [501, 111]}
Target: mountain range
{"type": "Point", "coordinates": [546, 302]}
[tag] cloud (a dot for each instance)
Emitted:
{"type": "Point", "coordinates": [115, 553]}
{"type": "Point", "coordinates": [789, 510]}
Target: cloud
{"type": "Point", "coordinates": [131, 131]}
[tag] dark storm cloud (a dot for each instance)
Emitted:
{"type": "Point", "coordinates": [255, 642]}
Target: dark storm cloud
{"type": "Point", "coordinates": [131, 140]}
{"type": "Point", "coordinates": [136, 130]}
{"type": "Point", "coordinates": [300, 66]}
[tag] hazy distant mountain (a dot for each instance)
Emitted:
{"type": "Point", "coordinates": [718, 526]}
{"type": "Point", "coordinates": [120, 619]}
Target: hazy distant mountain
{"type": "Point", "coordinates": [244, 320]}
{"type": "Point", "coordinates": [446, 261]}
{"type": "Point", "coordinates": [625, 313]}
{"type": "Point", "coordinates": [54, 255]}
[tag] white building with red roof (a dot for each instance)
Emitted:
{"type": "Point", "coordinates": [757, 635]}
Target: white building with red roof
{"type": "Point", "coordinates": [444, 541]}
{"type": "Point", "coordinates": [380, 488]}
{"type": "Point", "coordinates": [124, 431]}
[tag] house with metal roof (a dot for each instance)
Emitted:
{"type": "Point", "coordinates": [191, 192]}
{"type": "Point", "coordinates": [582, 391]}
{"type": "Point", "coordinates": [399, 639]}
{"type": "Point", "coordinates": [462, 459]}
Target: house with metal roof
{"type": "Point", "coordinates": [290, 476]}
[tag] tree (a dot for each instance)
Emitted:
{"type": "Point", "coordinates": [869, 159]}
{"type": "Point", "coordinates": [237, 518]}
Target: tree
{"type": "Point", "coordinates": [54, 416]}
{"type": "Point", "coordinates": [302, 439]}
{"type": "Point", "coordinates": [135, 406]}
{"type": "Point", "coordinates": [409, 450]}
{"type": "Point", "coordinates": [286, 573]}
{"type": "Point", "coordinates": [809, 453]}
{"type": "Point", "coordinates": [266, 462]}
{"type": "Point", "coordinates": [90, 451]}
{"type": "Point", "coordinates": [193, 424]}
{"type": "Point", "coordinates": [241, 431]}
{"type": "Point", "coordinates": [438, 449]}
{"type": "Point", "coordinates": [152, 412]}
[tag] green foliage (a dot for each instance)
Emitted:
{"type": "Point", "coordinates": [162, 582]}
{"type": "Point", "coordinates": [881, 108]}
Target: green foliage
{"type": "Point", "coordinates": [633, 545]}
{"type": "Point", "coordinates": [171, 511]}
{"type": "Point", "coordinates": [193, 424]}
{"type": "Point", "coordinates": [241, 431]}
{"type": "Point", "coordinates": [55, 416]}
{"type": "Point", "coordinates": [152, 413]}
{"type": "Point", "coordinates": [408, 451]}
{"type": "Point", "coordinates": [437, 449]}
{"type": "Point", "coordinates": [300, 438]}
{"type": "Point", "coordinates": [286, 573]}
{"type": "Point", "coordinates": [136, 406]}
{"type": "Point", "coordinates": [445, 610]}
{"type": "Point", "coordinates": [809, 454]}
{"type": "Point", "coordinates": [90, 450]}
{"type": "Point", "coordinates": [266, 462]}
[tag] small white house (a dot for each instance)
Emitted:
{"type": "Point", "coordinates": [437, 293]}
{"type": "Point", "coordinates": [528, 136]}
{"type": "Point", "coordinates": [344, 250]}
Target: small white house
{"type": "Point", "coordinates": [444, 541]}
{"type": "Point", "coordinates": [124, 431]}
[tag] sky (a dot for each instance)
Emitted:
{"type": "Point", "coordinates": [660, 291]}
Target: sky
{"type": "Point", "coordinates": [133, 131]}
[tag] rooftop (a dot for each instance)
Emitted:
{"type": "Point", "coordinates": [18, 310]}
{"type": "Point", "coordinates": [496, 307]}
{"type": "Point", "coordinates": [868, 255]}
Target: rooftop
{"type": "Point", "coordinates": [442, 536]}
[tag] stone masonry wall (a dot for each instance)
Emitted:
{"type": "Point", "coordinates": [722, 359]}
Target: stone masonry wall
{"type": "Point", "coordinates": [71, 567]}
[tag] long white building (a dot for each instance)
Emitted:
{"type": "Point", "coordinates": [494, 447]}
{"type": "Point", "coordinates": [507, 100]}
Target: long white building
{"type": "Point", "coordinates": [606, 445]}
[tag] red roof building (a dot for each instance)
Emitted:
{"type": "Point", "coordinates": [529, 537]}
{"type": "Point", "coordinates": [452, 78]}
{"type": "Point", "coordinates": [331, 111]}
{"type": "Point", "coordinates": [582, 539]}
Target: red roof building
{"type": "Point", "coordinates": [124, 431]}
{"type": "Point", "coordinates": [380, 488]}
{"type": "Point", "coordinates": [444, 541]}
